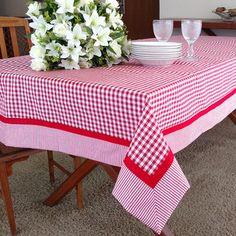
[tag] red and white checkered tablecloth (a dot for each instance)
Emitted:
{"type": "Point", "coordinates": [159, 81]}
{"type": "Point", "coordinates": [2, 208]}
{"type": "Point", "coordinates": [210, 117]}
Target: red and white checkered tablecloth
{"type": "Point", "coordinates": [130, 105]}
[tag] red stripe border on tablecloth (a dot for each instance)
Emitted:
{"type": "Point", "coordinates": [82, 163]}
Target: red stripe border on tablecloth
{"type": "Point", "coordinates": [150, 180]}
{"type": "Point", "coordinates": [105, 137]}
{"type": "Point", "coordinates": [91, 134]}
{"type": "Point", "coordinates": [197, 116]}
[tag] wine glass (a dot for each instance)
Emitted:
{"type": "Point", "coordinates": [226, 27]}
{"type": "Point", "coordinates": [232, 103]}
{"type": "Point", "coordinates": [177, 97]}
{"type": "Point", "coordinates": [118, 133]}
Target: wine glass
{"type": "Point", "coordinates": [162, 29]}
{"type": "Point", "coordinates": [191, 30]}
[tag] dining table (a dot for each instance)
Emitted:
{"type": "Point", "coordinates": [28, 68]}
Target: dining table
{"type": "Point", "coordinates": [129, 116]}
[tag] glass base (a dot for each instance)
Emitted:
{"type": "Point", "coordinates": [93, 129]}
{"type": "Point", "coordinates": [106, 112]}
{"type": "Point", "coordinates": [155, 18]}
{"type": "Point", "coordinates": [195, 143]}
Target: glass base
{"type": "Point", "coordinates": [194, 58]}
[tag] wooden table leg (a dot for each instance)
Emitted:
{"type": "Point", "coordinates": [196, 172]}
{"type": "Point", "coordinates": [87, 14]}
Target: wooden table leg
{"type": "Point", "coordinates": [165, 232]}
{"type": "Point", "coordinates": [51, 167]}
{"type": "Point", "coordinates": [79, 186]}
{"type": "Point", "coordinates": [232, 116]}
{"type": "Point", "coordinates": [112, 171]}
{"type": "Point", "coordinates": [71, 182]}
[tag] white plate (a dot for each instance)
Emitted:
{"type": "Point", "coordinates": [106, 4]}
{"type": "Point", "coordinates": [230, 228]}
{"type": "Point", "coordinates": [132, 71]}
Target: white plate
{"type": "Point", "coordinates": [155, 44]}
{"type": "Point", "coordinates": [148, 47]}
{"type": "Point", "coordinates": [158, 63]}
{"type": "Point", "coordinates": [157, 51]}
{"type": "Point", "coordinates": [156, 57]}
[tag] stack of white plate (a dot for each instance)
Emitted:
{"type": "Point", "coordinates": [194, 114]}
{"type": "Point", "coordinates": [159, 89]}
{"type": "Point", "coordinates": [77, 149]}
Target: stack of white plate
{"type": "Point", "coordinates": [156, 53]}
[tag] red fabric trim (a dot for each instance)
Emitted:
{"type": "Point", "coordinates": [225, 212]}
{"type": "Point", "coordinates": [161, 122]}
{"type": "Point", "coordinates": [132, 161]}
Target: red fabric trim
{"type": "Point", "coordinates": [65, 128]}
{"type": "Point", "coordinates": [104, 136]}
{"type": "Point", "coordinates": [190, 121]}
{"type": "Point", "coordinates": [150, 180]}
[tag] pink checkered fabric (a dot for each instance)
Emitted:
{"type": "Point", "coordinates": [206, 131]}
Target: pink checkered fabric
{"type": "Point", "coordinates": [126, 102]}
{"type": "Point", "coordinates": [148, 143]}
{"type": "Point", "coordinates": [130, 105]}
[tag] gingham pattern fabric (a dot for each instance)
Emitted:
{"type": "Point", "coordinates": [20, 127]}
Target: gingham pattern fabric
{"type": "Point", "coordinates": [127, 102]}
{"type": "Point", "coordinates": [148, 143]}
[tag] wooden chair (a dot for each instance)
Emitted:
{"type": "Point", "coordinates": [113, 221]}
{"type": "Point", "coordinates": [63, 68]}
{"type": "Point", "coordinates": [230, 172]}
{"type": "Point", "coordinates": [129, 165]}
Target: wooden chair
{"type": "Point", "coordinates": [12, 23]}
{"type": "Point", "coordinates": [10, 155]}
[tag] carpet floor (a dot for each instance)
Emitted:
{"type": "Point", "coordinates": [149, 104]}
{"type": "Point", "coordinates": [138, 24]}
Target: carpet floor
{"type": "Point", "coordinates": [208, 208]}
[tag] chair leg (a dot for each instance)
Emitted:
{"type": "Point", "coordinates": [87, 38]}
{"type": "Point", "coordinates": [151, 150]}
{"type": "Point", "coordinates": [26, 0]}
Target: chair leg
{"type": "Point", "coordinates": [7, 197]}
{"type": "Point", "coordinates": [232, 116]}
{"type": "Point", "coordinates": [51, 167]}
{"type": "Point", "coordinates": [112, 171]}
{"type": "Point", "coordinates": [79, 186]}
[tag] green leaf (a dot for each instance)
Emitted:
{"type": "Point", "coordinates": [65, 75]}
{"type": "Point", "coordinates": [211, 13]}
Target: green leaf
{"type": "Point", "coordinates": [117, 34]}
{"type": "Point", "coordinates": [111, 49]}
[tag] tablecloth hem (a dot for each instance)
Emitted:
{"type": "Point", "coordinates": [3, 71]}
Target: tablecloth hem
{"type": "Point", "coordinates": [67, 128]}
{"type": "Point", "coordinates": [153, 179]}
{"type": "Point", "coordinates": [198, 115]}
{"type": "Point", "coordinates": [154, 206]}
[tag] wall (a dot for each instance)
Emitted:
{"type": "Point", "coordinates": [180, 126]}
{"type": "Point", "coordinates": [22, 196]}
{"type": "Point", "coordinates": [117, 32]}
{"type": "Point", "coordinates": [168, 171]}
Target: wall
{"type": "Point", "coordinates": [168, 9]}
{"type": "Point", "coordinates": [195, 9]}
{"type": "Point", "coordinates": [192, 8]}
{"type": "Point", "coordinates": [13, 7]}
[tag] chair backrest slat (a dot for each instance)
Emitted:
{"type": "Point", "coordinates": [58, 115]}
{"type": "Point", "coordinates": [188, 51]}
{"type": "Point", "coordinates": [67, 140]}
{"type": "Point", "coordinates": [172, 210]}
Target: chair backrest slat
{"type": "Point", "coordinates": [28, 32]}
{"type": "Point", "coordinates": [12, 23]}
{"type": "Point", "coordinates": [14, 42]}
{"type": "Point", "coordinates": [3, 44]}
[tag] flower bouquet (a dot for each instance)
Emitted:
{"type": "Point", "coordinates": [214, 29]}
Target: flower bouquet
{"type": "Point", "coordinates": [74, 34]}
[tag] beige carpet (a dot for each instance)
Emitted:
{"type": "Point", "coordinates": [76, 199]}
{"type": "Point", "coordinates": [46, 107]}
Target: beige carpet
{"type": "Point", "coordinates": [209, 208]}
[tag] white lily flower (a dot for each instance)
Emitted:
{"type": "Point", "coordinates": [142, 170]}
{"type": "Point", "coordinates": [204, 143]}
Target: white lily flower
{"type": "Point", "coordinates": [116, 48]}
{"type": "Point", "coordinates": [54, 49]}
{"type": "Point", "coordinates": [101, 36]}
{"type": "Point", "coordinates": [71, 51]}
{"type": "Point", "coordinates": [62, 18]}
{"type": "Point", "coordinates": [35, 38]}
{"type": "Point", "coordinates": [69, 64]}
{"type": "Point", "coordinates": [92, 50]}
{"type": "Point", "coordinates": [40, 25]}
{"type": "Point", "coordinates": [113, 3]}
{"type": "Point", "coordinates": [97, 52]}
{"type": "Point", "coordinates": [33, 9]}
{"type": "Point", "coordinates": [83, 3]}
{"type": "Point", "coordinates": [76, 35]}
{"type": "Point", "coordinates": [94, 20]}
{"type": "Point", "coordinates": [108, 11]}
{"type": "Point", "coordinates": [38, 64]}
{"type": "Point", "coordinates": [115, 19]}
{"type": "Point", "coordinates": [65, 6]}
{"type": "Point", "coordinates": [126, 46]}
{"type": "Point", "coordinates": [61, 29]}
{"type": "Point", "coordinates": [84, 63]}
{"type": "Point", "coordinates": [115, 61]}
{"type": "Point", "coordinates": [37, 51]}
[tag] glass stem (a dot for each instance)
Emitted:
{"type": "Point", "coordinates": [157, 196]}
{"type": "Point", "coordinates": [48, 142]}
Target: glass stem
{"type": "Point", "coordinates": [190, 50]}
